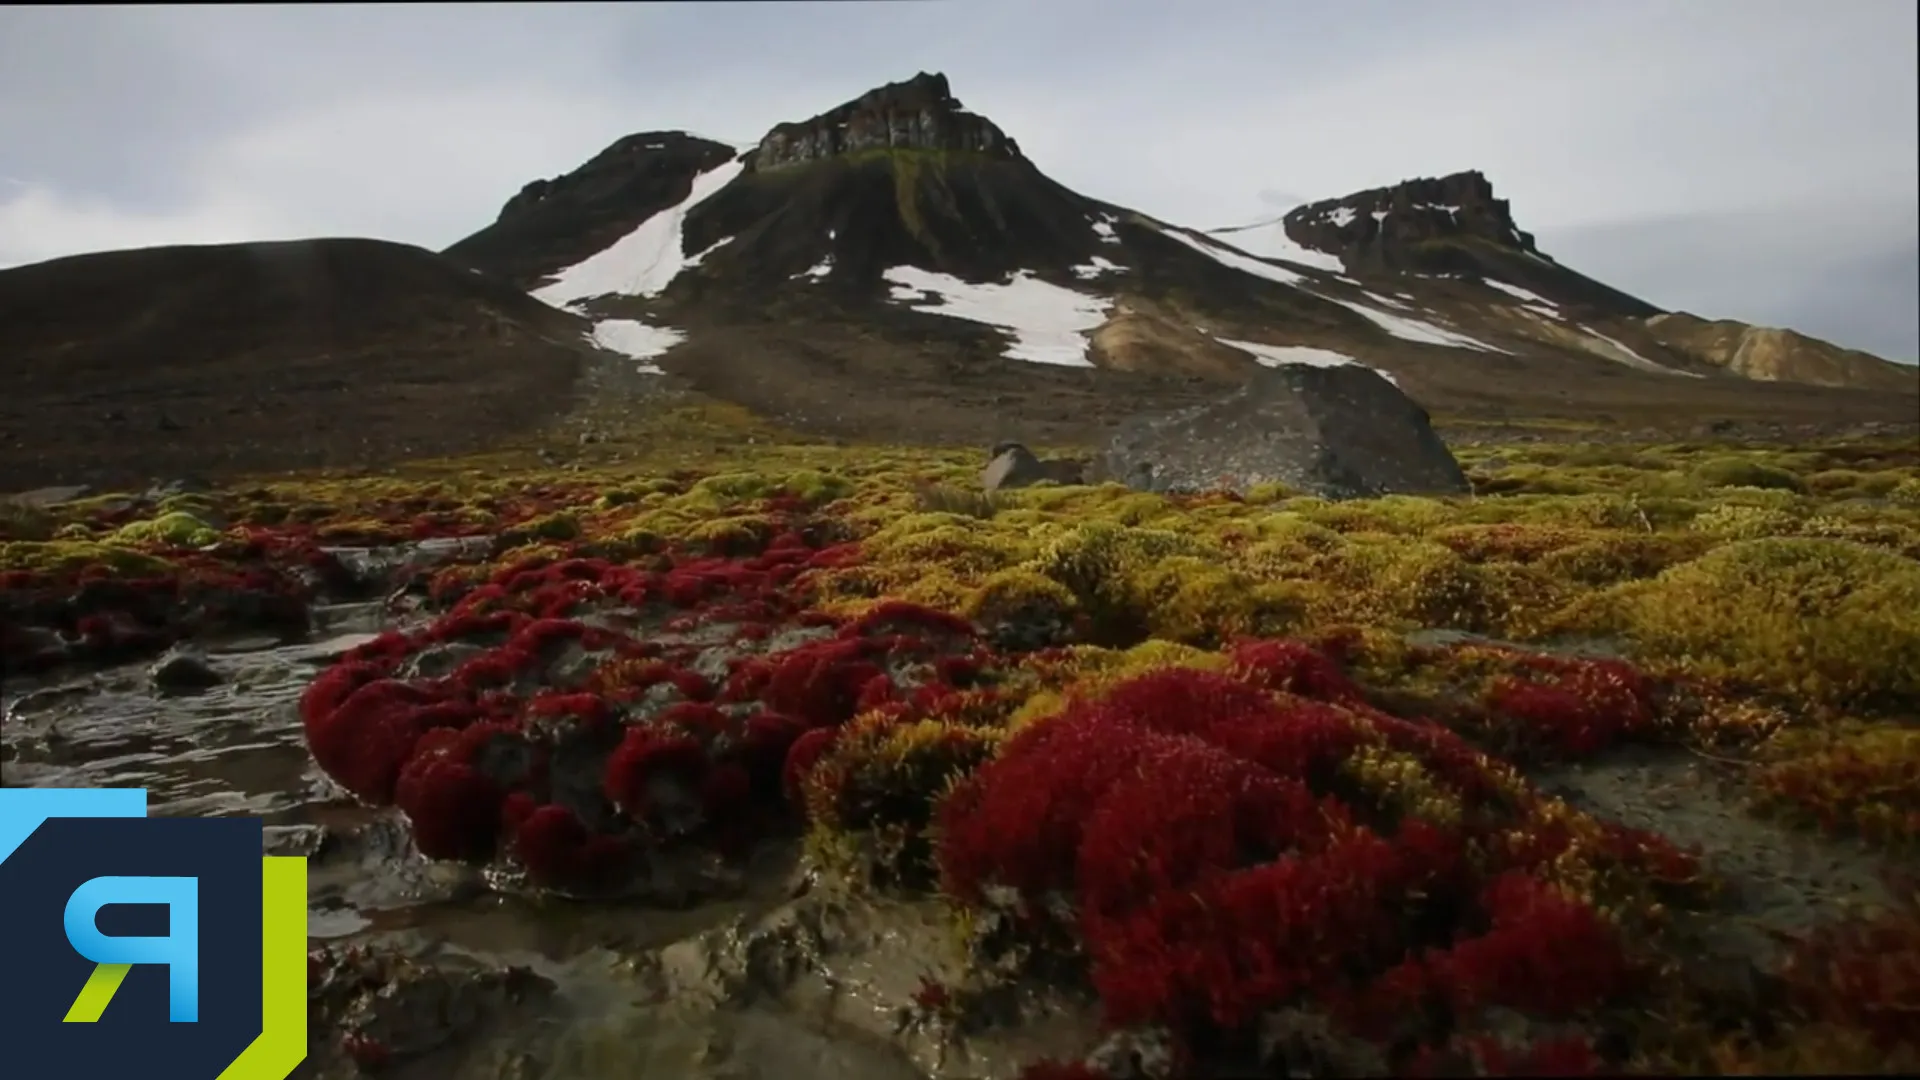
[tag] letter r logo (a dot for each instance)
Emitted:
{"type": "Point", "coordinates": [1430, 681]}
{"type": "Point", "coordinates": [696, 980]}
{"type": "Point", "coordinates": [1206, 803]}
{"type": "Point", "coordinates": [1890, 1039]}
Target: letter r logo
{"type": "Point", "coordinates": [179, 950]}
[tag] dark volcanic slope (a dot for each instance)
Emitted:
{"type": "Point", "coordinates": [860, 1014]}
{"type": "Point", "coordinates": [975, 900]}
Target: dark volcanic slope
{"type": "Point", "coordinates": [558, 222]}
{"type": "Point", "coordinates": [127, 365]}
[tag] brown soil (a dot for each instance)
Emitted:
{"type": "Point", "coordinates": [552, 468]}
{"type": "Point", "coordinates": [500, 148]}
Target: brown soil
{"type": "Point", "coordinates": [131, 365]}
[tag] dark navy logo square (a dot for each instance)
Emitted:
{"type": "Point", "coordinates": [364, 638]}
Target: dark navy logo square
{"type": "Point", "coordinates": [133, 1034]}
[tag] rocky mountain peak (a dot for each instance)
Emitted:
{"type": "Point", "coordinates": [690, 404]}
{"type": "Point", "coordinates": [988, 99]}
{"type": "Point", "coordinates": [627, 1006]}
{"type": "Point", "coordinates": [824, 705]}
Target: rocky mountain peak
{"type": "Point", "coordinates": [920, 113]}
{"type": "Point", "coordinates": [1385, 228]}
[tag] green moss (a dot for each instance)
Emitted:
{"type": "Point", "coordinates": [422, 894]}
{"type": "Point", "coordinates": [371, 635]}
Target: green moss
{"type": "Point", "coordinates": [176, 529]}
{"type": "Point", "coordinates": [1745, 472]}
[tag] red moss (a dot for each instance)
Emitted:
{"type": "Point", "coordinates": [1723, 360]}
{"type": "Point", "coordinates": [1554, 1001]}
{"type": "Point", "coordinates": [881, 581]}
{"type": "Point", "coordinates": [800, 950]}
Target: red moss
{"type": "Point", "coordinates": [1191, 812]}
{"type": "Point", "coordinates": [819, 683]}
{"type": "Point", "coordinates": [1294, 667]}
{"type": "Point", "coordinates": [558, 851]}
{"type": "Point", "coordinates": [647, 757]}
{"type": "Point", "coordinates": [364, 740]}
{"type": "Point", "coordinates": [1863, 974]}
{"type": "Point", "coordinates": [804, 753]}
{"type": "Point", "coordinates": [1193, 820]}
{"type": "Point", "coordinates": [897, 618]}
{"type": "Point", "coordinates": [1546, 953]}
{"type": "Point", "coordinates": [1574, 708]}
{"type": "Point", "coordinates": [454, 810]}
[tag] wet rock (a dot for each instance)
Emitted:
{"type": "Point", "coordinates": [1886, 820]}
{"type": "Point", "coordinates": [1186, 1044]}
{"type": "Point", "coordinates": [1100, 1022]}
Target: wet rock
{"type": "Point", "coordinates": [33, 648]}
{"type": "Point", "coordinates": [377, 1006]}
{"type": "Point", "coordinates": [369, 570]}
{"type": "Point", "coordinates": [49, 496]}
{"type": "Point", "coordinates": [183, 671]}
{"type": "Point", "coordinates": [1337, 432]}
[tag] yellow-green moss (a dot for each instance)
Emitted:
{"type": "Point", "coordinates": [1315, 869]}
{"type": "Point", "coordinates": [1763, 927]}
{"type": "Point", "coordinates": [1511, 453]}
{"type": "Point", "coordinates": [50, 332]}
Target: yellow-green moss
{"type": "Point", "coordinates": [62, 556]}
{"type": "Point", "coordinates": [1832, 622]}
{"type": "Point", "coordinates": [176, 529]}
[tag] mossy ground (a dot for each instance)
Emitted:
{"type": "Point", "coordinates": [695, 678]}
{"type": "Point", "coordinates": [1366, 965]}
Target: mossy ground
{"type": "Point", "coordinates": [1409, 661]}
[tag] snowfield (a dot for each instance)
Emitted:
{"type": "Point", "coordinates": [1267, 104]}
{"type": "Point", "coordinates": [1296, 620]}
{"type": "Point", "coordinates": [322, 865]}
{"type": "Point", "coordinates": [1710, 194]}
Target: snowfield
{"type": "Point", "coordinates": [1525, 296]}
{"type": "Point", "coordinates": [1269, 240]}
{"type": "Point", "coordinates": [1274, 356]}
{"type": "Point", "coordinates": [1414, 330]}
{"type": "Point", "coordinates": [1240, 261]}
{"type": "Point", "coordinates": [1602, 345]}
{"type": "Point", "coordinates": [645, 261]}
{"type": "Point", "coordinates": [1048, 323]}
{"type": "Point", "coordinates": [631, 337]}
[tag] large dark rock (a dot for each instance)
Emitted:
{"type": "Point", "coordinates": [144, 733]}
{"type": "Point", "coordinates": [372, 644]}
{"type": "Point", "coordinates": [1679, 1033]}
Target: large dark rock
{"type": "Point", "coordinates": [1338, 432]}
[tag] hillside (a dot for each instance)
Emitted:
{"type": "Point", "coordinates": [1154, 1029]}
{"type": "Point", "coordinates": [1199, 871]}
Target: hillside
{"type": "Point", "coordinates": [1776, 355]}
{"type": "Point", "coordinates": [897, 267]}
{"type": "Point", "coordinates": [127, 365]}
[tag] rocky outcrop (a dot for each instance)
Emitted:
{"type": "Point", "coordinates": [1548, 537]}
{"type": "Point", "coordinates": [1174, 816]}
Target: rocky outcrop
{"type": "Point", "coordinates": [1336, 432]}
{"type": "Point", "coordinates": [1382, 228]}
{"type": "Point", "coordinates": [1774, 355]}
{"type": "Point", "coordinates": [1449, 226]}
{"type": "Point", "coordinates": [918, 114]}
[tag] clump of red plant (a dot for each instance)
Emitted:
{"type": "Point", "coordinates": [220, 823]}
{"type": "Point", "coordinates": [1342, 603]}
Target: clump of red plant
{"type": "Point", "coordinates": [1220, 861]}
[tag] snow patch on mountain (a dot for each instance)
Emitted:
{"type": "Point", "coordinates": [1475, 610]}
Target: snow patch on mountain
{"type": "Point", "coordinates": [1407, 329]}
{"type": "Point", "coordinates": [645, 261]}
{"type": "Point", "coordinates": [1269, 240]}
{"type": "Point", "coordinates": [1238, 260]}
{"type": "Point", "coordinates": [1274, 356]}
{"type": "Point", "coordinates": [1048, 323]}
{"type": "Point", "coordinates": [1602, 345]}
{"type": "Point", "coordinates": [633, 338]}
{"type": "Point", "coordinates": [1525, 296]}
{"type": "Point", "coordinates": [1096, 266]}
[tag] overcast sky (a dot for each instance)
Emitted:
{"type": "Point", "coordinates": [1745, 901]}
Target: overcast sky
{"type": "Point", "coordinates": [1751, 159]}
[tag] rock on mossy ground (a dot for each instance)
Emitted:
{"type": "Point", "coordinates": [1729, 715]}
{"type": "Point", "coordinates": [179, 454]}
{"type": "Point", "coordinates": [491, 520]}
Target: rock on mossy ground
{"type": "Point", "coordinates": [1266, 781]}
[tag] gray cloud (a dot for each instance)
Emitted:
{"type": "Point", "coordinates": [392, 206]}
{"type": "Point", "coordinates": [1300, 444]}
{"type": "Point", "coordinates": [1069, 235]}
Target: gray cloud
{"type": "Point", "coordinates": [1653, 140]}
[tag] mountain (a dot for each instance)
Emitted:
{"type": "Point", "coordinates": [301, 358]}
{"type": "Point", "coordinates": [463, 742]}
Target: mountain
{"type": "Point", "coordinates": [897, 266]}
{"type": "Point", "coordinates": [123, 366]}
{"type": "Point", "coordinates": [1776, 355]}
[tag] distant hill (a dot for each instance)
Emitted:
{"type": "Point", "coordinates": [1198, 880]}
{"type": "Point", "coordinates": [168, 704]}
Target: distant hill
{"type": "Point", "coordinates": [1775, 355]}
{"type": "Point", "coordinates": [127, 365]}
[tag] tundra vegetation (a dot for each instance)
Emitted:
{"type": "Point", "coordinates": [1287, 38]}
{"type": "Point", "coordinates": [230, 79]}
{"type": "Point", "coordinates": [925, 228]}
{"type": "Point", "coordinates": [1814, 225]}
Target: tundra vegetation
{"type": "Point", "coordinates": [1212, 762]}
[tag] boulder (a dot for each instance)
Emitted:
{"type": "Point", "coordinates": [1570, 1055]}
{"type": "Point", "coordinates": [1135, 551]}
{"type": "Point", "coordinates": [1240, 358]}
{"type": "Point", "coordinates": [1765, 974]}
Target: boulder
{"type": "Point", "coordinates": [1012, 465]}
{"type": "Point", "coordinates": [1338, 432]}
